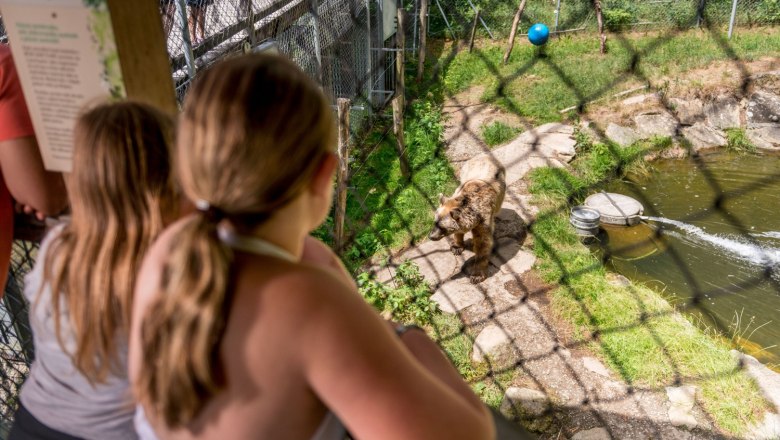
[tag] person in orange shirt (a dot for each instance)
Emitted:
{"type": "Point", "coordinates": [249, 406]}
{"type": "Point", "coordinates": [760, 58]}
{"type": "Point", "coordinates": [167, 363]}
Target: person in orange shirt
{"type": "Point", "coordinates": [22, 176]}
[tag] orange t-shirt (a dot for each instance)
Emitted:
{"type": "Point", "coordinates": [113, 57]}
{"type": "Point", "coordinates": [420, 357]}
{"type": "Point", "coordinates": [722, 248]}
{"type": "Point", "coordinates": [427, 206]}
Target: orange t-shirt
{"type": "Point", "coordinates": [14, 123]}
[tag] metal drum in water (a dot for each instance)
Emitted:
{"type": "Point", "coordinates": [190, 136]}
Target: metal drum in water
{"type": "Point", "coordinates": [585, 221]}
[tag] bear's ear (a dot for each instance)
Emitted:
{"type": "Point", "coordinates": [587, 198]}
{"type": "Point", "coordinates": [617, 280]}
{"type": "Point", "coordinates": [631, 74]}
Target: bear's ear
{"type": "Point", "coordinates": [455, 214]}
{"type": "Point", "coordinates": [441, 198]}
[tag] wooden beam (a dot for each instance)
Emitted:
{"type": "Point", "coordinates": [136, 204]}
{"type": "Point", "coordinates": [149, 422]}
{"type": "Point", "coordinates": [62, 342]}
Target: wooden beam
{"type": "Point", "coordinates": [473, 31]}
{"type": "Point", "coordinates": [398, 130]}
{"type": "Point", "coordinates": [141, 46]}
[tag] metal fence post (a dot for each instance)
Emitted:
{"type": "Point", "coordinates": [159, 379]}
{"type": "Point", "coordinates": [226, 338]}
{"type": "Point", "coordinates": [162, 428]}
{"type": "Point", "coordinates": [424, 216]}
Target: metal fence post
{"type": "Point", "coordinates": [317, 48]}
{"type": "Point", "coordinates": [189, 57]}
{"type": "Point", "coordinates": [557, 15]}
{"type": "Point", "coordinates": [700, 13]}
{"type": "Point", "coordinates": [733, 17]}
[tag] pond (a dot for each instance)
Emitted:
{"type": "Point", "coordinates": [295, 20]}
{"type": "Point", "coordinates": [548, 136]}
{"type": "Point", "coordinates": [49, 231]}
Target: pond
{"type": "Point", "coordinates": [710, 244]}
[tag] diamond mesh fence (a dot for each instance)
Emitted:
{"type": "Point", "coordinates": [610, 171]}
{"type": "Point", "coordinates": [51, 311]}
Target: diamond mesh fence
{"type": "Point", "coordinates": [541, 326]}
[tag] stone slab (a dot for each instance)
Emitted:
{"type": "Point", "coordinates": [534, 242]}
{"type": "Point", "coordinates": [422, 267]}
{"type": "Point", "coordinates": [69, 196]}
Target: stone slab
{"type": "Point", "coordinates": [768, 381]}
{"type": "Point", "coordinates": [492, 342]}
{"type": "Point", "coordinates": [688, 112]}
{"type": "Point", "coordinates": [510, 259]}
{"type": "Point", "coordinates": [592, 434]}
{"type": "Point", "coordinates": [763, 108]}
{"type": "Point", "coordinates": [723, 113]}
{"type": "Point", "coordinates": [529, 402]}
{"type": "Point", "coordinates": [702, 136]}
{"type": "Point", "coordinates": [656, 124]}
{"type": "Point", "coordinates": [764, 136]}
{"type": "Point", "coordinates": [456, 295]}
{"type": "Point", "coordinates": [595, 366]}
{"type": "Point", "coordinates": [623, 136]}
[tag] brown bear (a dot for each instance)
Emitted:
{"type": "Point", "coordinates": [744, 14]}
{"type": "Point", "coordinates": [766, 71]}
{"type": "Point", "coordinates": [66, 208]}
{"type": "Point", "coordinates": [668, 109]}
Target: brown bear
{"type": "Point", "coordinates": [473, 207]}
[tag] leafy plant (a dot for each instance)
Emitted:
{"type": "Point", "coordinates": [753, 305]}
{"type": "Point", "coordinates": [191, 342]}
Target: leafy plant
{"type": "Point", "coordinates": [409, 301]}
{"type": "Point", "coordinates": [617, 20]}
{"type": "Point", "coordinates": [497, 133]}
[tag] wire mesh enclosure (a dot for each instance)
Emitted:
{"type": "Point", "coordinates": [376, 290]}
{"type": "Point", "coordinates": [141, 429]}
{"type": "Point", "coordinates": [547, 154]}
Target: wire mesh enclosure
{"type": "Point", "coordinates": [549, 335]}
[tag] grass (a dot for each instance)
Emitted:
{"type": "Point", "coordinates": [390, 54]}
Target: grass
{"type": "Point", "coordinates": [497, 133]}
{"type": "Point", "coordinates": [738, 141]}
{"type": "Point", "coordinates": [573, 70]}
{"type": "Point", "coordinates": [638, 333]}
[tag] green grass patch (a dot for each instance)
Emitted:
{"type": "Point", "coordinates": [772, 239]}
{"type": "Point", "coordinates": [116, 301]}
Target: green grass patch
{"type": "Point", "coordinates": [738, 141]}
{"type": "Point", "coordinates": [497, 133]}
{"type": "Point", "coordinates": [574, 71]}
{"type": "Point", "coordinates": [637, 332]}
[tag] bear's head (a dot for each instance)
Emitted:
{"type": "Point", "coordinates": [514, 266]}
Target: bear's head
{"type": "Point", "coordinates": [447, 218]}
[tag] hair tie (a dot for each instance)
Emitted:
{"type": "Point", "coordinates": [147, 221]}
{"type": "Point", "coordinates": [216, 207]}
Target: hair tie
{"type": "Point", "coordinates": [212, 213]}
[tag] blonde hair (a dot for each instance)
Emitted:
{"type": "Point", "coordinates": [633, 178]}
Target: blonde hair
{"type": "Point", "coordinates": [120, 181]}
{"type": "Point", "coordinates": [253, 131]}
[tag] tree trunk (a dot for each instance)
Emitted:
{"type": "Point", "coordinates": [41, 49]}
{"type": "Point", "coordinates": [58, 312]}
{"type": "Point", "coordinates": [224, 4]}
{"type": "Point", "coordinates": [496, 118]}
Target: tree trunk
{"type": "Point", "coordinates": [423, 39]}
{"type": "Point", "coordinates": [513, 32]}
{"type": "Point", "coordinates": [600, 19]}
{"type": "Point", "coordinates": [473, 31]}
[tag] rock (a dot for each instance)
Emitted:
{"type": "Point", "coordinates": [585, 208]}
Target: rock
{"type": "Point", "coordinates": [688, 112]}
{"type": "Point", "coordinates": [768, 381]}
{"type": "Point", "coordinates": [723, 113]}
{"type": "Point", "coordinates": [529, 402]}
{"type": "Point", "coordinates": [492, 342]}
{"type": "Point", "coordinates": [552, 140]}
{"type": "Point", "coordinates": [510, 259]}
{"type": "Point", "coordinates": [592, 434]}
{"type": "Point", "coordinates": [681, 401]}
{"type": "Point", "coordinates": [656, 124]}
{"type": "Point", "coordinates": [623, 136]}
{"type": "Point", "coordinates": [615, 279]}
{"type": "Point", "coordinates": [595, 366]}
{"type": "Point", "coordinates": [518, 158]}
{"type": "Point", "coordinates": [456, 295]}
{"type": "Point", "coordinates": [702, 136]}
{"type": "Point", "coordinates": [763, 108]}
{"type": "Point", "coordinates": [639, 99]}
{"type": "Point", "coordinates": [768, 429]}
{"type": "Point", "coordinates": [765, 136]}
{"type": "Point", "coordinates": [516, 205]}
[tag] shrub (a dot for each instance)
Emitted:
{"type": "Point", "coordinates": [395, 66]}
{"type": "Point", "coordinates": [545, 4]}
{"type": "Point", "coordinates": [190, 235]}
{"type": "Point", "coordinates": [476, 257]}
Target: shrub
{"type": "Point", "coordinates": [617, 20]}
{"type": "Point", "coordinates": [408, 302]}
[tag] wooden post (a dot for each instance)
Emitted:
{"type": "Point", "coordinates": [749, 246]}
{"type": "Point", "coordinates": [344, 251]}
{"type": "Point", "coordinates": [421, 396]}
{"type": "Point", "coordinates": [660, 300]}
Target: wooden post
{"type": "Point", "coordinates": [398, 130]}
{"type": "Point", "coordinates": [600, 20]}
{"type": "Point", "coordinates": [513, 31]}
{"type": "Point", "coordinates": [400, 56]}
{"type": "Point", "coordinates": [141, 46]}
{"type": "Point", "coordinates": [423, 39]}
{"type": "Point", "coordinates": [473, 31]}
{"type": "Point", "coordinates": [342, 172]}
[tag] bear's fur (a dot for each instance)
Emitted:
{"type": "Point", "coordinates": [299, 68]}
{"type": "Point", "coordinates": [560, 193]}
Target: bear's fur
{"type": "Point", "coordinates": [473, 207]}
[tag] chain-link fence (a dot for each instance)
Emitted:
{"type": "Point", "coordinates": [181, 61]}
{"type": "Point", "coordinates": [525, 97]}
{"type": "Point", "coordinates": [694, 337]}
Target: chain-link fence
{"type": "Point", "coordinates": [455, 18]}
{"type": "Point", "coordinates": [546, 337]}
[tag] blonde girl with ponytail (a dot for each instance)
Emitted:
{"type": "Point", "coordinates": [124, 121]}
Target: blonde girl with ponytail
{"type": "Point", "coordinates": [242, 329]}
{"type": "Point", "coordinates": [81, 288]}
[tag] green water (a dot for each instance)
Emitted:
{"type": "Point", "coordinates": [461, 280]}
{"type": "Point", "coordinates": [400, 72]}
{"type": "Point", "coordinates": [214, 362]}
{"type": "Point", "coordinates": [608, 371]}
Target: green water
{"type": "Point", "coordinates": [713, 245]}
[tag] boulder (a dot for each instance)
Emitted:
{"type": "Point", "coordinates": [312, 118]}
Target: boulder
{"type": "Point", "coordinates": [763, 108]}
{"type": "Point", "coordinates": [768, 429]}
{"type": "Point", "coordinates": [702, 136]}
{"type": "Point", "coordinates": [765, 136]}
{"type": "Point", "coordinates": [656, 124]}
{"type": "Point", "coordinates": [623, 136]}
{"type": "Point", "coordinates": [529, 402]}
{"type": "Point", "coordinates": [723, 113]}
{"type": "Point", "coordinates": [688, 111]}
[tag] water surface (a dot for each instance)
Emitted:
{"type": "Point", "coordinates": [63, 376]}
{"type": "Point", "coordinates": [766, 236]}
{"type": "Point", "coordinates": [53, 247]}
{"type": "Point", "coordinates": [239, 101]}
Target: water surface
{"type": "Point", "coordinates": [711, 243]}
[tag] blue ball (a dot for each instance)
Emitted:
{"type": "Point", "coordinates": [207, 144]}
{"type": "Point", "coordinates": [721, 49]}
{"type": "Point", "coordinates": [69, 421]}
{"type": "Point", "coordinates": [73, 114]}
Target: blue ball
{"type": "Point", "coordinates": [538, 34]}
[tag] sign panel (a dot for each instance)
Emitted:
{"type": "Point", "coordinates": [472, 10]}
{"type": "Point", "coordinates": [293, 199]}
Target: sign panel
{"type": "Point", "coordinates": [66, 57]}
